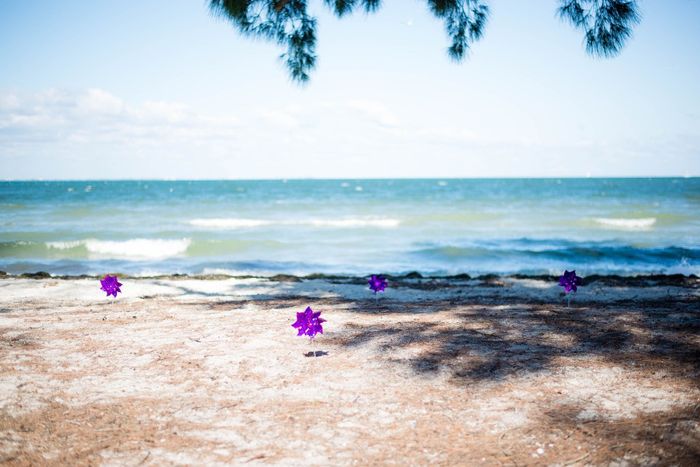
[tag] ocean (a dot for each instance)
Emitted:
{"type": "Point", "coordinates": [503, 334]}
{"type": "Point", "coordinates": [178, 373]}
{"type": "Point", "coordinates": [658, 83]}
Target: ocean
{"type": "Point", "coordinates": [352, 227]}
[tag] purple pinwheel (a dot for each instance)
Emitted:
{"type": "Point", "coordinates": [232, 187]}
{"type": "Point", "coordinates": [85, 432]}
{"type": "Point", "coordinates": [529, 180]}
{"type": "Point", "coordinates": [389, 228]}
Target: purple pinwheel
{"type": "Point", "coordinates": [569, 281]}
{"type": "Point", "coordinates": [111, 285]}
{"type": "Point", "coordinates": [377, 283]}
{"type": "Point", "coordinates": [309, 323]}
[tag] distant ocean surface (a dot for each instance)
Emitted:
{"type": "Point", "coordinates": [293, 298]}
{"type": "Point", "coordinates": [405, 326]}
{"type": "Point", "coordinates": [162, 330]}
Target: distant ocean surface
{"type": "Point", "coordinates": [355, 227]}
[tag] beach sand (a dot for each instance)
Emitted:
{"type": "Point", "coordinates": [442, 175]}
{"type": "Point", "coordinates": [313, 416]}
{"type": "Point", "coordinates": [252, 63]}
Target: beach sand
{"type": "Point", "coordinates": [460, 371]}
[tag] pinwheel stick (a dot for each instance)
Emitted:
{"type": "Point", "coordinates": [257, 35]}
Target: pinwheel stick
{"type": "Point", "coordinates": [311, 341]}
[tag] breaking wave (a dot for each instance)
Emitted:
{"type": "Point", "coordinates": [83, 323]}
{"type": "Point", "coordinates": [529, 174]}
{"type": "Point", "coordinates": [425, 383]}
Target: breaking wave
{"type": "Point", "coordinates": [228, 223]}
{"type": "Point", "coordinates": [644, 223]}
{"type": "Point", "coordinates": [349, 223]}
{"type": "Point", "coordinates": [136, 248]}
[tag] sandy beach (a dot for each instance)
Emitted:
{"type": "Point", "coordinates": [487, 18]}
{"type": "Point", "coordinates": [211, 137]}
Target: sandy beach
{"type": "Point", "coordinates": [459, 371]}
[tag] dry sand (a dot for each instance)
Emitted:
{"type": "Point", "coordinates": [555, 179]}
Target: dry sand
{"type": "Point", "coordinates": [496, 371]}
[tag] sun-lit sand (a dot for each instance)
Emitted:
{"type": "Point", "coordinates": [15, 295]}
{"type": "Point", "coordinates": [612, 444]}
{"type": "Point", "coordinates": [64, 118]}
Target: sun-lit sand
{"type": "Point", "coordinates": [492, 371]}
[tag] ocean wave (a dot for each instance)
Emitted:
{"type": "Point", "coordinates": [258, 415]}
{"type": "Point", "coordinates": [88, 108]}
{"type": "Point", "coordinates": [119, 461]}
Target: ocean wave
{"type": "Point", "coordinates": [236, 223]}
{"type": "Point", "coordinates": [228, 223]}
{"type": "Point", "coordinates": [257, 256]}
{"type": "Point", "coordinates": [643, 223]}
{"type": "Point", "coordinates": [584, 257]}
{"type": "Point", "coordinates": [136, 248]}
{"type": "Point", "coordinates": [24, 249]}
{"type": "Point", "coordinates": [575, 253]}
{"type": "Point", "coordinates": [65, 245]}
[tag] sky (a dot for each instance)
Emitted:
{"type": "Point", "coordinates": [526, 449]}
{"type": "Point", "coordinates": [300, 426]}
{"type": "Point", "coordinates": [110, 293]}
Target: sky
{"type": "Point", "coordinates": [162, 89]}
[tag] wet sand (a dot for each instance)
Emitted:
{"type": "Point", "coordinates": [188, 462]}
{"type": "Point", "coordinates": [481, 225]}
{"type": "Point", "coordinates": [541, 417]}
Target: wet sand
{"type": "Point", "coordinates": [459, 371]}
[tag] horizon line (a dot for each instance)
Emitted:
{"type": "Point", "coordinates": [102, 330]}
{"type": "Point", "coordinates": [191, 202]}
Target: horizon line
{"type": "Point", "coordinates": [283, 179]}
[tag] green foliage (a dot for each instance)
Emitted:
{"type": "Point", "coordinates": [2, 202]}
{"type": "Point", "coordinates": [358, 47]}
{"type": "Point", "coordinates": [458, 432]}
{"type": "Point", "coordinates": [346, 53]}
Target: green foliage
{"type": "Point", "coordinates": [343, 7]}
{"type": "Point", "coordinates": [464, 22]}
{"type": "Point", "coordinates": [283, 21]}
{"type": "Point", "coordinates": [606, 24]}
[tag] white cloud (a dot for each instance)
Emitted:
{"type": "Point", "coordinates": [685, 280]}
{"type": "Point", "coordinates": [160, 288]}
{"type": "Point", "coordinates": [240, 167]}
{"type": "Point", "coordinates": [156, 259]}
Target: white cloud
{"type": "Point", "coordinates": [160, 110]}
{"type": "Point", "coordinates": [96, 116]}
{"type": "Point", "coordinates": [99, 102]}
{"type": "Point", "coordinates": [447, 135]}
{"type": "Point", "coordinates": [375, 111]}
{"type": "Point", "coordinates": [58, 134]}
{"type": "Point", "coordinates": [280, 118]}
{"type": "Point", "coordinates": [9, 102]}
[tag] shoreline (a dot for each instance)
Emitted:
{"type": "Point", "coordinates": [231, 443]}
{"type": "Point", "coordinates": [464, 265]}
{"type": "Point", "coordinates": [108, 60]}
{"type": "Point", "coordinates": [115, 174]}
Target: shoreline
{"type": "Point", "coordinates": [408, 279]}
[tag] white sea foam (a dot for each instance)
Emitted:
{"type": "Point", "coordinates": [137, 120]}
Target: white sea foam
{"type": "Point", "coordinates": [228, 223]}
{"type": "Point", "coordinates": [643, 223]}
{"type": "Point", "coordinates": [234, 223]}
{"type": "Point", "coordinates": [138, 248]}
{"type": "Point", "coordinates": [683, 267]}
{"type": "Point", "coordinates": [65, 245]}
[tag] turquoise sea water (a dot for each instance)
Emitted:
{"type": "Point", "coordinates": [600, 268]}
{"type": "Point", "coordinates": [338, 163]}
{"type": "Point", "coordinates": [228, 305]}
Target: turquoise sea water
{"type": "Point", "coordinates": [442, 227]}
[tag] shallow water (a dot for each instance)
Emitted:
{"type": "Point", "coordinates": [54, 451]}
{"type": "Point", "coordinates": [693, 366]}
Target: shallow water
{"type": "Point", "coordinates": [449, 226]}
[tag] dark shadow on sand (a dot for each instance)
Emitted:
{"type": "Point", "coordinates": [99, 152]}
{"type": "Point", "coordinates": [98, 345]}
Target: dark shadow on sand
{"type": "Point", "coordinates": [316, 353]}
{"type": "Point", "coordinates": [492, 335]}
{"type": "Point", "coordinates": [491, 343]}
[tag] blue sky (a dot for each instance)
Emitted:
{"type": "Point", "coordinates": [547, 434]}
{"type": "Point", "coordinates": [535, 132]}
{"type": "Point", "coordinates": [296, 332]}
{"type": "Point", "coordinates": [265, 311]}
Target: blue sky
{"type": "Point", "coordinates": [161, 89]}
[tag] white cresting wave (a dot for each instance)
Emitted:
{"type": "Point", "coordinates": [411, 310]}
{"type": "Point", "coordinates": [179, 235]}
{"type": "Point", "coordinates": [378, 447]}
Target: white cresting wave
{"type": "Point", "coordinates": [643, 223]}
{"type": "Point", "coordinates": [65, 245]}
{"type": "Point", "coordinates": [234, 223]}
{"type": "Point", "coordinates": [225, 223]}
{"type": "Point", "coordinates": [136, 248]}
